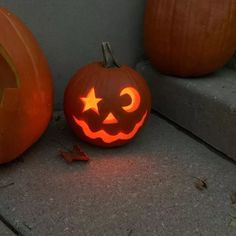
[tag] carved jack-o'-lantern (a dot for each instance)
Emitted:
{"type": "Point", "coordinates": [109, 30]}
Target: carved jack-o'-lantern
{"type": "Point", "coordinates": [107, 104]}
{"type": "Point", "coordinates": [26, 90]}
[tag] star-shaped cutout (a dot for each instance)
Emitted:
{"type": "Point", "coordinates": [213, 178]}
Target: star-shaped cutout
{"type": "Point", "coordinates": [91, 101]}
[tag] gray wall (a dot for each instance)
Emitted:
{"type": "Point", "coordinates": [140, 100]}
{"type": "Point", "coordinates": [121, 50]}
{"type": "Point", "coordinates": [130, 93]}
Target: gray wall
{"type": "Point", "coordinates": [70, 32]}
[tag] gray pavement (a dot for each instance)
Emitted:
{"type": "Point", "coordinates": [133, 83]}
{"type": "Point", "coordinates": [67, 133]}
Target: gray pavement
{"type": "Point", "coordinates": [205, 106]}
{"type": "Point", "coordinates": [144, 188]}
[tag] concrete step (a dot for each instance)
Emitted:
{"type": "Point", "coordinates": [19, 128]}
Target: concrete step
{"type": "Point", "coordinates": [5, 231]}
{"type": "Point", "coordinates": [144, 188]}
{"type": "Point", "coordinates": [205, 106]}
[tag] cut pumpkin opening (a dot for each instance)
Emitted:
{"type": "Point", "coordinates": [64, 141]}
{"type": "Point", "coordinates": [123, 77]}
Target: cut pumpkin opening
{"type": "Point", "coordinates": [8, 76]}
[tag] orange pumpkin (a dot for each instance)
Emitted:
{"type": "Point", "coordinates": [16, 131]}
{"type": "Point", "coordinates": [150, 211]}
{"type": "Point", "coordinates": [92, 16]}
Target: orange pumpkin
{"type": "Point", "coordinates": [190, 37]}
{"type": "Point", "coordinates": [107, 104]}
{"type": "Point", "coordinates": [26, 90]}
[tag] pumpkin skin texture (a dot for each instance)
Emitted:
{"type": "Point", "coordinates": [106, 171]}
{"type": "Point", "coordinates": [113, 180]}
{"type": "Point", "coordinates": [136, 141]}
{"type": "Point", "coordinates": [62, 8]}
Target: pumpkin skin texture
{"type": "Point", "coordinates": [190, 37]}
{"type": "Point", "coordinates": [26, 89]}
{"type": "Point", "coordinates": [107, 106]}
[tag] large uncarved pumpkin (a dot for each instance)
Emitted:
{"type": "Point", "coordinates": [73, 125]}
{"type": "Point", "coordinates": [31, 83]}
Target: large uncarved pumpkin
{"type": "Point", "coordinates": [25, 88]}
{"type": "Point", "coordinates": [190, 37]}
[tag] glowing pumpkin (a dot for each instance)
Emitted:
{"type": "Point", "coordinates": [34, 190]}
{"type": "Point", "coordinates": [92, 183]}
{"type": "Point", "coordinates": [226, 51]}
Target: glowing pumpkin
{"type": "Point", "coordinates": [25, 88]}
{"type": "Point", "coordinates": [107, 104]}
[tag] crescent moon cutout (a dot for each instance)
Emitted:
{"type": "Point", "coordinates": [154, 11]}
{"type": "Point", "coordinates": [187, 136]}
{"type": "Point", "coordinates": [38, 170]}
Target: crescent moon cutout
{"type": "Point", "coordinates": [135, 99]}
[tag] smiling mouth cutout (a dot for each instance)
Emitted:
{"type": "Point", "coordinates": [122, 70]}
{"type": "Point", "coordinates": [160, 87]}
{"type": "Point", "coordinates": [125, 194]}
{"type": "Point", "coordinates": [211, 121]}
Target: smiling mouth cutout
{"type": "Point", "coordinates": [108, 138]}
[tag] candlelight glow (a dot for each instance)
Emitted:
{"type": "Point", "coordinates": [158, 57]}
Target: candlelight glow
{"type": "Point", "coordinates": [135, 99]}
{"type": "Point", "coordinates": [91, 101]}
{"type": "Point", "coordinates": [110, 119]}
{"type": "Point", "coordinates": [107, 138]}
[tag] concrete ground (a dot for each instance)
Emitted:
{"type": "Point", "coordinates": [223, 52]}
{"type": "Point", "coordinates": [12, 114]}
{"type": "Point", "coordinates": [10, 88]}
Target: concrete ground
{"type": "Point", "coordinates": [144, 188]}
{"type": "Point", "coordinates": [4, 230]}
{"type": "Point", "coordinates": [205, 106]}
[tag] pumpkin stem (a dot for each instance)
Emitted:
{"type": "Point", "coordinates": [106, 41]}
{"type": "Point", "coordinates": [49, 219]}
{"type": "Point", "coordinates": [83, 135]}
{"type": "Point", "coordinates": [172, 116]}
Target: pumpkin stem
{"type": "Point", "coordinates": [109, 59]}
